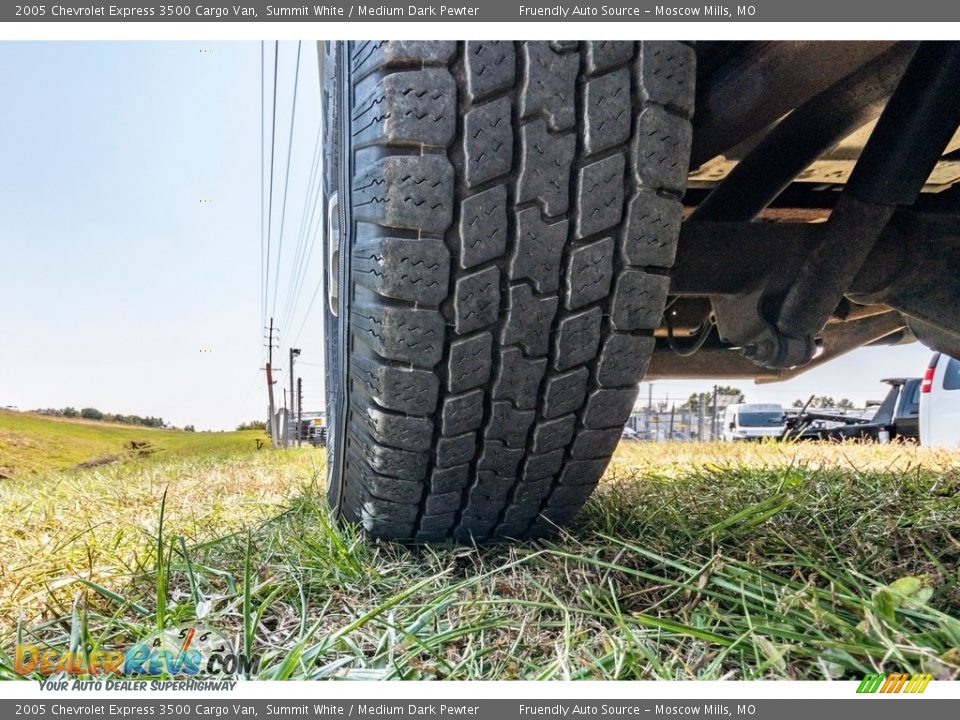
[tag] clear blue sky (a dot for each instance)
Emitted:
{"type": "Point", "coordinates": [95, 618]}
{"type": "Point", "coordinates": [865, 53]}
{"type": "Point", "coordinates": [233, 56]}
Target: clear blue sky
{"type": "Point", "coordinates": [130, 229]}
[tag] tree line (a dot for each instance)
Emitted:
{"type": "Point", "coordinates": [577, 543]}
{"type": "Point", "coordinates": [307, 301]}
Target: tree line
{"type": "Point", "coordinates": [94, 414]}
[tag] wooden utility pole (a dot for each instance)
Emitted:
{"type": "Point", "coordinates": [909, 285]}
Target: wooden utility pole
{"type": "Point", "coordinates": [299, 411]}
{"type": "Point", "coordinates": [294, 353]}
{"type": "Point", "coordinates": [715, 423]}
{"type": "Point", "coordinates": [273, 410]}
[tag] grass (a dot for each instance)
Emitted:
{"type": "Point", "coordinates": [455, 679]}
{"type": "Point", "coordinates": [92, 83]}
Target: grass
{"type": "Point", "coordinates": [691, 562]}
{"type": "Point", "coordinates": [32, 443]}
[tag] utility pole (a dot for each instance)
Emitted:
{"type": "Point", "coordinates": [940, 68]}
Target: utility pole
{"type": "Point", "coordinates": [299, 411]}
{"type": "Point", "coordinates": [714, 425]}
{"type": "Point", "coordinates": [700, 416]}
{"type": "Point", "coordinates": [294, 353]}
{"type": "Point", "coordinates": [270, 382]}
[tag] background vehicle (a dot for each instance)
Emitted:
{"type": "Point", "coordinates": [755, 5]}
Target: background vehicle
{"type": "Point", "coordinates": [313, 428]}
{"type": "Point", "coordinates": [519, 232]}
{"type": "Point", "coordinates": [940, 402]}
{"type": "Point", "coordinates": [753, 421]}
{"type": "Point", "coordinates": [896, 418]}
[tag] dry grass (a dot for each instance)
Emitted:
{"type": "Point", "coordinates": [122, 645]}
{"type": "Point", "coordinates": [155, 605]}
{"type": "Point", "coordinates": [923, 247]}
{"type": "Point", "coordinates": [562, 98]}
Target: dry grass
{"type": "Point", "coordinates": [97, 525]}
{"type": "Point", "coordinates": [692, 561]}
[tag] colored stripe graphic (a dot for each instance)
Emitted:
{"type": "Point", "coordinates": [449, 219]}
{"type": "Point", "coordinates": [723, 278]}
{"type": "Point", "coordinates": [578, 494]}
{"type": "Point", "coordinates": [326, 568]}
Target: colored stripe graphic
{"type": "Point", "coordinates": [894, 683]}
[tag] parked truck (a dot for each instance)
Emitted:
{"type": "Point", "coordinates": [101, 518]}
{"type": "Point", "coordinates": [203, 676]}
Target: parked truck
{"type": "Point", "coordinates": [940, 402]}
{"type": "Point", "coordinates": [753, 421]}
{"type": "Point", "coordinates": [896, 418]}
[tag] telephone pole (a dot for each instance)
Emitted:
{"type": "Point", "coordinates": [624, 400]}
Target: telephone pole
{"type": "Point", "coordinates": [299, 411]}
{"type": "Point", "coordinates": [294, 353]}
{"type": "Point", "coordinates": [273, 411]}
{"type": "Point", "coordinates": [714, 424]}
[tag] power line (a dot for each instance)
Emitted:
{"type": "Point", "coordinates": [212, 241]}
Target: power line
{"type": "Point", "coordinates": [286, 180]}
{"type": "Point", "coordinates": [307, 314]}
{"type": "Point", "coordinates": [273, 142]}
{"type": "Point", "coordinates": [305, 236]}
{"type": "Point", "coordinates": [263, 122]}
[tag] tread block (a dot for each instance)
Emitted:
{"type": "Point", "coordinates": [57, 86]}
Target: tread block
{"type": "Point", "coordinates": [660, 140]}
{"type": "Point", "coordinates": [405, 390]}
{"type": "Point", "coordinates": [638, 300]}
{"type": "Point", "coordinates": [538, 251]}
{"type": "Point", "coordinates": [515, 530]}
{"type": "Point", "coordinates": [490, 67]}
{"type": "Point", "coordinates": [651, 230]}
{"type": "Point", "coordinates": [549, 84]}
{"type": "Point", "coordinates": [405, 269]}
{"type": "Point", "coordinates": [490, 489]}
{"type": "Point", "coordinates": [589, 273]}
{"type": "Point", "coordinates": [461, 413]}
{"type": "Point", "coordinates": [406, 191]}
{"type": "Point", "coordinates": [553, 434]}
{"type": "Point", "coordinates": [577, 338]}
{"type": "Point", "coordinates": [451, 479]}
{"type": "Point", "coordinates": [528, 320]}
{"type": "Point", "coordinates": [519, 378]}
{"type": "Point", "coordinates": [527, 498]}
{"type": "Point", "coordinates": [509, 424]}
{"type": "Point", "coordinates": [487, 141]}
{"type": "Point", "coordinates": [569, 495]}
{"type": "Point", "coordinates": [441, 503]}
{"type": "Point", "coordinates": [390, 461]}
{"type": "Point", "coordinates": [595, 443]}
{"type": "Point", "coordinates": [498, 459]}
{"type": "Point", "coordinates": [483, 226]}
{"type": "Point", "coordinates": [371, 55]}
{"type": "Point", "coordinates": [393, 489]}
{"type": "Point", "coordinates": [538, 467]}
{"type": "Point", "coordinates": [564, 393]}
{"type": "Point", "coordinates": [599, 196]}
{"type": "Point", "coordinates": [408, 108]}
{"type": "Point", "coordinates": [473, 529]}
{"type": "Point", "coordinates": [545, 168]}
{"type": "Point", "coordinates": [403, 431]}
{"type": "Point", "coordinates": [453, 451]}
{"type": "Point", "coordinates": [582, 472]}
{"type": "Point", "coordinates": [605, 54]}
{"type": "Point", "coordinates": [476, 301]}
{"type": "Point", "coordinates": [435, 528]}
{"type": "Point", "coordinates": [406, 334]}
{"type": "Point", "coordinates": [470, 362]}
{"type": "Point", "coordinates": [667, 72]}
{"type": "Point", "coordinates": [623, 359]}
{"type": "Point", "coordinates": [384, 519]}
{"type": "Point", "coordinates": [608, 114]}
{"type": "Point", "coordinates": [609, 408]}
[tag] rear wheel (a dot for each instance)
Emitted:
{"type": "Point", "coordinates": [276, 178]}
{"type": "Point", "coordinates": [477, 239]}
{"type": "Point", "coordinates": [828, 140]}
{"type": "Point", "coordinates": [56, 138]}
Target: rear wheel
{"type": "Point", "coordinates": [509, 213]}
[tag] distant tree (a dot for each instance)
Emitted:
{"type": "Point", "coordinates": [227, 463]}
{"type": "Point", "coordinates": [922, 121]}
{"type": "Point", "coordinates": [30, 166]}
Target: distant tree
{"type": "Point", "coordinates": [69, 412]}
{"type": "Point", "coordinates": [723, 391]}
{"type": "Point", "coordinates": [845, 403]}
{"type": "Point", "coordinates": [823, 401]}
{"type": "Point", "coordinates": [189, 428]}
{"type": "Point", "coordinates": [91, 414]}
{"type": "Point", "coordinates": [252, 425]}
{"type": "Point", "coordinates": [798, 403]}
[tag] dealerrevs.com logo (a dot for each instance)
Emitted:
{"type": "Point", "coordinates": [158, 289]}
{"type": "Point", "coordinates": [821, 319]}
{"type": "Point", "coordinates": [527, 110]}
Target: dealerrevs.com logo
{"type": "Point", "coordinates": [192, 651]}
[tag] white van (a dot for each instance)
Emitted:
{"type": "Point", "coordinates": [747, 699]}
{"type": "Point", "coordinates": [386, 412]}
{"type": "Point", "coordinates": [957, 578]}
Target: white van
{"type": "Point", "coordinates": [753, 421]}
{"type": "Point", "coordinates": [940, 402]}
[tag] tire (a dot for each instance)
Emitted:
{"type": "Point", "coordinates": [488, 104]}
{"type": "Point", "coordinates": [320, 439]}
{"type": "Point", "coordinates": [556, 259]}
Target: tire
{"type": "Point", "coordinates": [510, 215]}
